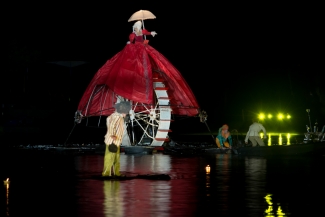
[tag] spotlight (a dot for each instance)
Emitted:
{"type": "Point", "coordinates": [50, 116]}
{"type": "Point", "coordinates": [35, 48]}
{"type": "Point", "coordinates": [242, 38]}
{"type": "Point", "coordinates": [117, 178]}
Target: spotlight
{"type": "Point", "coordinates": [280, 116]}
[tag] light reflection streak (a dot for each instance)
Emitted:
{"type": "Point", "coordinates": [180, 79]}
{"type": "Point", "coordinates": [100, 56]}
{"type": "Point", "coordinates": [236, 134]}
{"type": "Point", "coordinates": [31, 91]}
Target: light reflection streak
{"type": "Point", "coordinates": [279, 138]}
{"type": "Point", "coordinates": [208, 182]}
{"type": "Point", "coordinates": [279, 212]}
{"type": "Point", "coordinates": [207, 169]}
{"type": "Point", "coordinates": [7, 199]}
{"type": "Point", "coordinates": [268, 199]}
{"type": "Point", "coordinates": [208, 185]}
{"type": "Point", "coordinates": [270, 211]}
{"type": "Point", "coordinates": [269, 141]}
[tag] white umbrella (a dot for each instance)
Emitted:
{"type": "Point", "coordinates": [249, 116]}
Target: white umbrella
{"type": "Point", "coordinates": [142, 15]}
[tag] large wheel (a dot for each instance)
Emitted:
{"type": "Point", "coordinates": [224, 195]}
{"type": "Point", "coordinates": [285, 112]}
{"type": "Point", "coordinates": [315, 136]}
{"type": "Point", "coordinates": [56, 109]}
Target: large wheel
{"type": "Point", "coordinates": [149, 124]}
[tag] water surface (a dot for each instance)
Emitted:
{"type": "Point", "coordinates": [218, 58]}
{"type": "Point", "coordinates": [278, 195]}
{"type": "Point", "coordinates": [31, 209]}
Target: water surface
{"type": "Point", "coordinates": [48, 184]}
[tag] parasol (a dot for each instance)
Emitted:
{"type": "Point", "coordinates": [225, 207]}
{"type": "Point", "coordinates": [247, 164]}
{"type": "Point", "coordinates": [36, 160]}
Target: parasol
{"type": "Point", "coordinates": [142, 15]}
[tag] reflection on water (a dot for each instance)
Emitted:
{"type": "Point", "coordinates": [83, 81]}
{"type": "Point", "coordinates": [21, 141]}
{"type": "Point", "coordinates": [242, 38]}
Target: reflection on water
{"type": "Point", "coordinates": [277, 139]}
{"type": "Point", "coordinates": [113, 200]}
{"type": "Point", "coordinates": [256, 172]}
{"type": "Point", "coordinates": [207, 169]}
{"type": "Point", "coordinates": [149, 163]}
{"type": "Point", "coordinates": [255, 181]}
{"type": "Point", "coordinates": [270, 210]}
{"type": "Point", "coordinates": [138, 197]}
{"type": "Point", "coordinates": [269, 141]}
{"type": "Point", "coordinates": [7, 198]}
{"type": "Point", "coordinates": [216, 185]}
{"type": "Point", "coordinates": [280, 139]}
{"type": "Point", "coordinates": [288, 139]}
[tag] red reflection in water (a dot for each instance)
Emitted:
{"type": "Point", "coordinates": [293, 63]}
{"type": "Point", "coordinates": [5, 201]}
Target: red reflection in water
{"type": "Point", "coordinates": [184, 195]}
{"type": "Point", "coordinates": [223, 181]}
{"type": "Point", "coordinates": [90, 191]}
{"type": "Point", "coordinates": [138, 197]}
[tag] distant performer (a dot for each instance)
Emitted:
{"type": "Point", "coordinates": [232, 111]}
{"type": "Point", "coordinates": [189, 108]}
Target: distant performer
{"type": "Point", "coordinates": [253, 133]}
{"type": "Point", "coordinates": [224, 139]}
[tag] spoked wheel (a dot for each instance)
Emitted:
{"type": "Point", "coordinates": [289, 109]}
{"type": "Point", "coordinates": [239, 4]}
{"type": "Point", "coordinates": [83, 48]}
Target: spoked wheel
{"type": "Point", "coordinates": [149, 124]}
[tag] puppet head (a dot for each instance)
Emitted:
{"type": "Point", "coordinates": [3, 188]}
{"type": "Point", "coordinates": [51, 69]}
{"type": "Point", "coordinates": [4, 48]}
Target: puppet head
{"type": "Point", "coordinates": [137, 25]}
{"type": "Point", "coordinates": [123, 107]}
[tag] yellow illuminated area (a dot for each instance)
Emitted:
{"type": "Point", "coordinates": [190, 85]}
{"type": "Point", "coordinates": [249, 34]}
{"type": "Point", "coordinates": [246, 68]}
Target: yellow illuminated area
{"type": "Point", "coordinates": [280, 116]}
{"type": "Point", "coordinates": [269, 211]}
{"type": "Point", "coordinates": [279, 212]}
{"type": "Point", "coordinates": [269, 141]}
{"type": "Point", "coordinates": [6, 182]}
{"type": "Point", "coordinates": [268, 199]}
{"type": "Point", "coordinates": [269, 116]}
{"type": "Point", "coordinates": [207, 169]}
{"type": "Point", "coordinates": [288, 116]}
{"type": "Point", "coordinates": [280, 139]}
{"type": "Point", "coordinates": [261, 135]}
{"type": "Point", "coordinates": [261, 116]}
{"type": "Point", "coordinates": [7, 195]}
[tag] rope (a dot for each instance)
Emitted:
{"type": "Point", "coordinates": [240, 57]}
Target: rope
{"type": "Point", "coordinates": [214, 140]}
{"type": "Point", "coordinates": [70, 133]}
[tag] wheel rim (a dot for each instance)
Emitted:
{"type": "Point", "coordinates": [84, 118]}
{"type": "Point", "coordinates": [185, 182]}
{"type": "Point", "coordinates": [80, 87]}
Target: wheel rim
{"type": "Point", "coordinates": [149, 124]}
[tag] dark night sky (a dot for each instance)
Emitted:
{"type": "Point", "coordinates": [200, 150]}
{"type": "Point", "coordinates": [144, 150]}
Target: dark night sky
{"type": "Point", "coordinates": [236, 57]}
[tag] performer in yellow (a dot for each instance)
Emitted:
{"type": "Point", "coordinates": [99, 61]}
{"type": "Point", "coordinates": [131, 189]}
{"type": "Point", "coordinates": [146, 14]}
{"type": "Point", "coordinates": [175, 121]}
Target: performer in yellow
{"type": "Point", "coordinates": [115, 130]}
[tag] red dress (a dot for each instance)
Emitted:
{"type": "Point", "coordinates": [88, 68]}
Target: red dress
{"type": "Point", "coordinates": [130, 74]}
{"type": "Point", "coordinates": [138, 38]}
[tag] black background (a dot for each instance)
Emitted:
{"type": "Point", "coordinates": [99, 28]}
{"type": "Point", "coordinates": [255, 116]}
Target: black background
{"type": "Point", "coordinates": [239, 59]}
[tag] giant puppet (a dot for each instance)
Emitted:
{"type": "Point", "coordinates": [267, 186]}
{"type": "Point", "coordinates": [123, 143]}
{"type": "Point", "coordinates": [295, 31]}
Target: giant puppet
{"type": "Point", "coordinates": [145, 77]}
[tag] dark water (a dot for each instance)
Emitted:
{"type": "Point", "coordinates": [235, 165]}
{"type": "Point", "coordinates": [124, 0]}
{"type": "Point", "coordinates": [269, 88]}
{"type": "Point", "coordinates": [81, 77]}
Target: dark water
{"type": "Point", "coordinates": [44, 184]}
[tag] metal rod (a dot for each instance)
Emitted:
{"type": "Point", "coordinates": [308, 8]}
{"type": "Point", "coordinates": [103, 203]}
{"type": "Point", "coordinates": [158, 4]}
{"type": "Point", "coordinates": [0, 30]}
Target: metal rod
{"type": "Point", "coordinates": [143, 28]}
{"type": "Point", "coordinates": [308, 110]}
{"type": "Point", "coordinates": [70, 134]}
{"type": "Point", "coordinates": [210, 131]}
